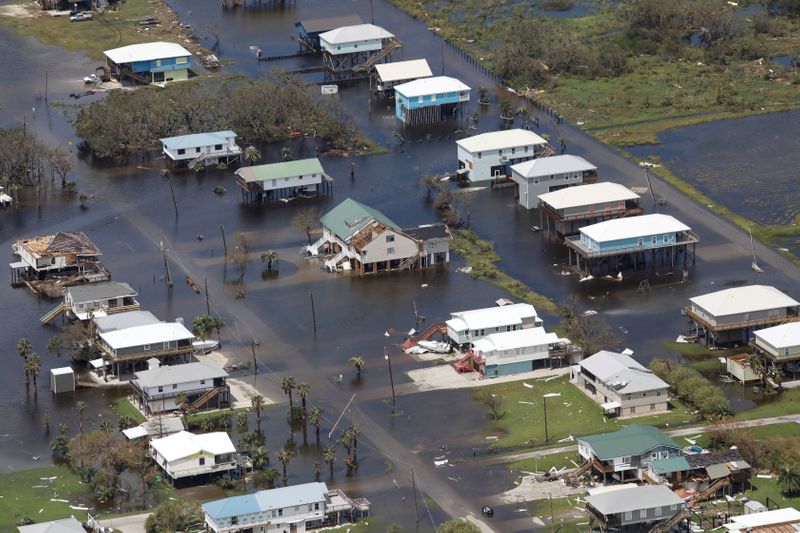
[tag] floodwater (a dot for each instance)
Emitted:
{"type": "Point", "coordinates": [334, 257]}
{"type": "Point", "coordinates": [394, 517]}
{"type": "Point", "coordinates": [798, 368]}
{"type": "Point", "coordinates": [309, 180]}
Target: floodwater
{"type": "Point", "coordinates": [130, 213]}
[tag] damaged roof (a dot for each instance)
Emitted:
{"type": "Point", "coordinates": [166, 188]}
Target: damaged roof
{"type": "Point", "coordinates": [61, 243]}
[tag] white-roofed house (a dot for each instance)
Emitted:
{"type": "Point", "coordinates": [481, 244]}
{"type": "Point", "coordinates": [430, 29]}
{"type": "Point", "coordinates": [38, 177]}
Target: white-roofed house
{"type": "Point", "coordinates": [155, 62]}
{"type": "Point", "coordinates": [521, 350]}
{"type": "Point", "coordinates": [430, 100]}
{"type": "Point", "coordinates": [309, 30]}
{"type": "Point", "coordinates": [297, 508]}
{"type": "Point", "coordinates": [65, 525]}
{"type": "Point", "coordinates": [631, 504]}
{"type": "Point", "coordinates": [211, 148]}
{"type": "Point", "coordinates": [489, 156]}
{"type": "Point", "coordinates": [775, 521]}
{"type": "Point", "coordinates": [621, 385]}
{"type": "Point", "coordinates": [95, 300]}
{"type": "Point", "coordinates": [465, 327]}
{"type": "Point", "coordinates": [127, 349]}
{"type": "Point", "coordinates": [548, 174]}
{"type": "Point", "coordinates": [203, 383]}
{"type": "Point", "coordinates": [621, 243]}
{"type": "Point", "coordinates": [780, 344]}
{"type": "Point", "coordinates": [387, 75]}
{"type": "Point", "coordinates": [350, 52]}
{"type": "Point", "coordinates": [303, 178]}
{"type": "Point", "coordinates": [567, 210]}
{"type": "Point", "coordinates": [731, 315]}
{"type": "Point", "coordinates": [185, 454]}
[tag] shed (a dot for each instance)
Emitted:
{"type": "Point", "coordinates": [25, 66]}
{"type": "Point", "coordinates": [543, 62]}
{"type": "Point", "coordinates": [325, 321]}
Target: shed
{"type": "Point", "coordinates": [754, 506]}
{"type": "Point", "coordinates": [62, 380]}
{"type": "Point", "coordinates": [390, 74]}
{"type": "Point", "coordinates": [740, 368]}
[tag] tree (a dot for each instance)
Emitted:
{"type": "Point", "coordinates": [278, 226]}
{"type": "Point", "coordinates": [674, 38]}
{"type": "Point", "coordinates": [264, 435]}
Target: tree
{"type": "Point", "coordinates": [430, 182]}
{"type": "Point", "coordinates": [260, 458]}
{"type": "Point", "coordinates": [180, 514]}
{"type": "Point", "coordinates": [24, 349]}
{"type": "Point", "coordinates": [315, 418]}
{"type": "Point", "coordinates": [358, 363]}
{"type": "Point", "coordinates": [32, 367]}
{"type": "Point", "coordinates": [287, 386]}
{"type": "Point", "coordinates": [55, 345]}
{"type": "Point", "coordinates": [494, 403]}
{"type": "Point", "coordinates": [269, 258]}
{"type": "Point", "coordinates": [285, 456]}
{"type": "Point", "coordinates": [590, 332]}
{"type": "Point", "coordinates": [317, 470]}
{"type": "Point", "coordinates": [287, 154]}
{"type": "Point", "coordinates": [266, 478]}
{"type": "Point", "coordinates": [60, 444]}
{"type": "Point", "coordinates": [82, 200]}
{"type": "Point", "coordinates": [251, 154]}
{"type": "Point", "coordinates": [355, 433]}
{"type": "Point", "coordinates": [81, 405]}
{"type": "Point", "coordinates": [483, 95]}
{"type": "Point", "coordinates": [203, 325]}
{"type": "Point", "coordinates": [61, 164]}
{"type": "Point", "coordinates": [184, 406]}
{"type": "Point", "coordinates": [505, 110]}
{"type": "Point", "coordinates": [257, 403]}
{"type": "Point", "coordinates": [789, 480]}
{"type": "Point", "coordinates": [307, 219]}
{"type": "Point", "coordinates": [241, 421]}
{"type": "Point", "coordinates": [125, 422]}
{"type": "Point", "coordinates": [458, 525]}
{"type": "Point", "coordinates": [303, 390]}
{"type": "Point", "coordinates": [329, 456]}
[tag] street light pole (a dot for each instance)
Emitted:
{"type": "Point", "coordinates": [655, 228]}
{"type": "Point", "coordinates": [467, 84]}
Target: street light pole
{"type": "Point", "coordinates": [391, 375]}
{"type": "Point", "coordinates": [544, 402]}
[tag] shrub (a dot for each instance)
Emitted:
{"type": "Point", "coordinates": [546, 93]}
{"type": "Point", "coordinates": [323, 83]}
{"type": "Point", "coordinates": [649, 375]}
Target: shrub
{"type": "Point", "coordinates": [689, 385]}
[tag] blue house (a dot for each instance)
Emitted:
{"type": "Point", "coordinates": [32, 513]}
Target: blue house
{"type": "Point", "coordinates": [157, 62]}
{"type": "Point", "coordinates": [627, 239]}
{"type": "Point", "coordinates": [429, 100]}
{"type": "Point", "coordinates": [309, 30]}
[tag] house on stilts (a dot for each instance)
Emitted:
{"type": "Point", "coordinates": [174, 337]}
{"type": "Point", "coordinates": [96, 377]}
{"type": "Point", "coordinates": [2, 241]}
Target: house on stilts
{"type": "Point", "coordinates": [386, 75]}
{"type": "Point", "coordinates": [363, 239]}
{"type": "Point", "coordinates": [430, 100]}
{"type": "Point", "coordinates": [304, 178]}
{"type": "Point", "coordinates": [145, 63]}
{"type": "Point", "coordinates": [309, 30]}
{"type": "Point", "coordinates": [213, 148]}
{"type": "Point", "coordinates": [350, 52]}
{"type": "Point", "coordinates": [621, 243]}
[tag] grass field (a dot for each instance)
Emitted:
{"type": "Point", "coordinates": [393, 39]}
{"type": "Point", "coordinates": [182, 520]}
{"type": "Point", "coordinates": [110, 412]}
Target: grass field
{"type": "Point", "coordinates": [123, 407]}
{"type": "Point", "coordinates": [112, 29]}
{"type": "Point", "coordinates": [571, 414]}
{"type": "Point", "coordinates": [26, 493]}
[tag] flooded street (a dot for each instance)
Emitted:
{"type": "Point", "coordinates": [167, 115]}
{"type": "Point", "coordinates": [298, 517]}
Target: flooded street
{"type": "Point", "coordinates": [130, 208]}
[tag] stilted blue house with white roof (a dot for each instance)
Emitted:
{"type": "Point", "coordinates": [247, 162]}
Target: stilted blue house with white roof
{"type": "Point", "coordinates": [298, 508]}
{"type": "Point", "coordinates": [157, 62]}
{"type": "Point", "coordinates": [430, 100]}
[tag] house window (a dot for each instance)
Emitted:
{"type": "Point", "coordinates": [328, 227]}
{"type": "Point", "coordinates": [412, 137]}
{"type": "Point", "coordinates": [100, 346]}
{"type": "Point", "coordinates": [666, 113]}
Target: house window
{"type": "Point", "coordinates": [499, 152]}
{"type": "Point", "coordinates": [657, 511]}
{"type": "Point", "coordinates": [280, 512]}
{"type": "Point", "coordinates": [626, 460]}
{"type": "Point", "coordinates": [526, 149]}
{"type": "Point", "coordinates": [197, 150]}
{"type": "Point", "coordinates": [642, 513]}
{"type": "Point", "coordinates": [158, 62]}
{"type": "Point", "coordinates": [165, 345]}
{"type": "Point", "coordinates": [202, 382]}
{"type": "Point", "coordinates": [390, 238]}
{"type": "Point", "coordinates": [161, 389]}
{"type": "Point", "coordinates": [566, 177]}
{"type": "Point", "coordinates": [628, 515]}
{"type": "Point", "coordinates": [234, 520]}
{"type": "Point", "coordinates": [202, 461]}
{"type": "Point", "coordinates": [146, 347]}
{"type": "Point", "coordinates": [673, 507]}
{"type": "Point", "coordinates": [316, 506]}
{"type": "Point", "coordinates": [217, 147]}
{"type": "Point", "coordinates": [627, 396]}
{"type": "Point", "coordinates": [655, 239]}
{"type": "Point", "coordinates": [390, 250]}
{"type": "Point", "coordinates": [174, 385]}
{"type": "Point", "coordinates": [658, 393]}
{"type": "Point", "coordinates": [419, 99]}
{"type": "Point", "coordinates": [666, 237]}
{"type": "Point", "coordinates": [632, 410]}
{"type": "Point", "coordinates": [513, 150]}
{"type": "Point", "coordinates": [640, 242]}
{"type": "Point", "coordinates": [181, 60]}
{"type": "Point", "coordinates": [181, 151]}
{"type": "Point", "coordinates": [652, 407]}
{"type": "Point", "coordinates": [479, 155]}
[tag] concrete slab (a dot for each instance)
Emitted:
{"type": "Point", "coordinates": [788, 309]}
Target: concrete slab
{"type": "Point", "coordinates": [445, 377]}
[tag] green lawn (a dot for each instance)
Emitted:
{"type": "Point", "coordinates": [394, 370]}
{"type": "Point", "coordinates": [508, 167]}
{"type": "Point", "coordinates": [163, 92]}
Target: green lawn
{"type": "Point", "coordinates": [112, 29]}
{"type": "Point", "coordinates": [557, 461]}
{"type": "Point", "coordinates": [566, 513]}
{"type": "Point", "coordinates": [789, 429]}
{"type": "Point", "coordinates": [763, 488]}
{"type": "Point", "coordinates": [573, 413]}
{"type": "Point", "coordinates": [25, 493]}
{"type": "Point", "coordinates": [774, 404]}
{"type": "Point", "coordinates": [123, 407]}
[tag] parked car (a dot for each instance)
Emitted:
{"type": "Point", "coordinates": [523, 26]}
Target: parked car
{"type": "Point", "coordinates": [91, 79]}
{"type": "Point", "coordinates": [77, 17]}
{"type": "Point", "coordinates": [487, 511]}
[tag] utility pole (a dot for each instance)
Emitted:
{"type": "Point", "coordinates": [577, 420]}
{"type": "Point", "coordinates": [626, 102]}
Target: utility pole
{"type": "Point", "coordinates": [391, 375]}
{"type": "Point", "coordinates": [224, 242]}
{"type": "Point", "coordinates": [208, 305]}
{"type": "Point", "coordinates": [253, 349]}
{"type": "Point", "coordinates": [166, 263]}
{"type": "Point", "coordinates": [174, 203]}
{"type": "Point", "coordinates": [416, 507]}
{"type": "Point", "coordinates": [544, 402]}
{"type": "Point", "coordinates": [313, 312]}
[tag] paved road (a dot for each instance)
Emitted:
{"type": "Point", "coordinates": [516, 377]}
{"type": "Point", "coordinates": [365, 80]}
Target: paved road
{"type": "Point", "coordinates": [768, 421]}
{"type": "Point", "coordinates": [127, 524]}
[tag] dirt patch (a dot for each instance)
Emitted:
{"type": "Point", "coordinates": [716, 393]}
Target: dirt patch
{"type": "Point", "coordinates": [21, 11]}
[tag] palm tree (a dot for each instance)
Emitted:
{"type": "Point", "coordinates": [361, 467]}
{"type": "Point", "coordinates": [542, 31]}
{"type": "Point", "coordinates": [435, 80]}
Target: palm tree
{"type": "Point", "coordinates": [184, 406]}
{"type": "Point", "coordinates": [357, 362]}
{"type": "Point", "coordinates": [287, 154]}
{"type": "Point", "coordinates": [317, 470]}
{"type": "Point", "coordinates": [355, 432]}
{"type": "Point", "coordinates": [252, 154]}
{"type": "Point", "coordinates": [260, 458]}
{"type": "Point", "coordinates": [287, 385]}
{"type": "Point", "coordinates": [106, 427]}
{"type": "Point", "coordinates": [257, 404]}
{"type": "Point", "coordinates": [329, 456]}
{"type": "Point", "coordinates": [347, 441]}
{"type": "Point", "coordinates": [315, 417]}
{"type": "Point", "coordinates": [81, 405]}
{"type": "Point", "coordinates": [789, 480]}
{"type": "Point", "coordinates": [32, 367]}
{"type": "Point", "coordinates": [269, 258]}
{"type": "Point", "coordinates": [303, 389]}
{"type": "Point", "coordinates": [285, 456]}
{"type": "Point", "coordinates": [24, 349]}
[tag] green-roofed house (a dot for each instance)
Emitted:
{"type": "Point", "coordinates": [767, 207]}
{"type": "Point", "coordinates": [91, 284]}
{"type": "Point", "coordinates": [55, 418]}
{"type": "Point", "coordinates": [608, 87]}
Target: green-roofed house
{"type": "Point", "coordinates": [360, 238]}
{"type": "Point", "coordinates": [626, 454]}
{"type": "Point", "coordinates": [304, 178]}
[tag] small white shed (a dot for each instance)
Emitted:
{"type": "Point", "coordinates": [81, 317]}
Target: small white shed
{"type": "Point", "coordinates": [62, 380]}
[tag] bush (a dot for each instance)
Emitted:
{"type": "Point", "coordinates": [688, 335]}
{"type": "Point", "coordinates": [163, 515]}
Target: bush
{"type": "Point", "coordinates": [175, 515]}
{"type": "Point", "coordinates": [690, 386]}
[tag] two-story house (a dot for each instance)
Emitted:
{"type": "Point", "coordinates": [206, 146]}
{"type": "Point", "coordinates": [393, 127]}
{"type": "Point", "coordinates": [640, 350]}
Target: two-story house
{"type": "Point", "coordinates": [287, 178]}
{"type": "Point", "coordinates": [565, 211]}
{"type": "Point", "coordinates": [186, 455]}
{"type": "Point", "coordinates": [548, 174]}
{"type": "Point", "coordinates": [731, 315]}
{"type": "Point", "coordinates": [623, 387]}
{"type": "Point", "coordinates": [627, 506]}
{"type": "Point", "coordinates": [511, 352]}
{"type": "Point", "coordinates": [430, 100]}
{"type": "Point", "coordinates": [127, 349]}
{"type": "Point", "coordinates": [65, 251]}
{"type": "Point", "coordinates": [779, 344]}
{"type": "Point", "coordinates": [489, 156]}
{"type": "Point", "coordinates": [297, 508]}
{"type": "Point", "coordinates": [159, 389]}
{"type": "Point", "coordinates": [211, 148]}
{"type": "Point", "coordinates": [309, 30]}
{"type": "Point", "coordinates": [85, 302]}
{"type": "Point", "coordinates": [155, 62]}
{"type": "Point", "coordinates": [387, 75]}
{"type": "Point", "coordinates": [365, 240]}
{"type": "Point", "coordinates": [625, 455]}
{"type": "Point", "coordinates": [465, 327]}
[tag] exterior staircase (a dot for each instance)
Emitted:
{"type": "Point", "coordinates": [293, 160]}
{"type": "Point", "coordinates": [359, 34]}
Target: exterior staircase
{"type": "Point", "coordinates": [201, 157]}
{"type": "Point", "coordinates": [576, 474]}
{"type": "Point", "coordinates": [711, 490]}
{"type": "Point", "coordinates": [313, 249]}
{"type": "Point", "coordinates": [205, 398]}
{"type": "Point", "coordinates": [665, 527]}
{"type": "Point", "coordinates": [408, 262]}
{"type": "Point", "coordinates": [373, 60]}
{"type": "Point", "coordinates": [332, 263]}
{"type": "Point", "coordinates": [60, 308]}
